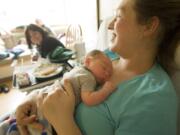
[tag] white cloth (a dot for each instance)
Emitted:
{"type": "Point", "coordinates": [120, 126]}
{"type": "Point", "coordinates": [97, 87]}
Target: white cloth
{"type": "Point", "coordinates": [104, 35]}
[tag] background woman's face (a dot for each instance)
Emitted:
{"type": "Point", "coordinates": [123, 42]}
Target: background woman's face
{"type": "Point", "coordinates": [35, 37]}
{"type": "Point", "coordinates": [126, 30]}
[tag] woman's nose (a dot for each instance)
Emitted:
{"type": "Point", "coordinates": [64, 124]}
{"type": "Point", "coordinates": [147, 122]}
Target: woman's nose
{"type": "Point", "coordinates": [111, 25]}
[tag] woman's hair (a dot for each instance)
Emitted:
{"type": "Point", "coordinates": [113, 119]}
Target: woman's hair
{"type": "Point", "coordinates": [168, 12]}
{"type": "Point", "coordinates": [33, 27]}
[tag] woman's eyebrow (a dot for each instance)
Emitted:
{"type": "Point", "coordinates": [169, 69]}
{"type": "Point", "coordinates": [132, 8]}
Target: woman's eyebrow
{"type": "Point", "coordinates": [121, 9]}
{"type": "Point", "coordinates": [118, 12]}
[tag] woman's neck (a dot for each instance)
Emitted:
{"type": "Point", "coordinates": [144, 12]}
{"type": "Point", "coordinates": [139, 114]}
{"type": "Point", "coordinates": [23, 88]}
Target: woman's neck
{"type": "Point", "coordinates": [125, 69]}
{"type": "Point", "coordinates": [141, 59]}
{"type": "Point", "coordinates": [138, 63]}
{"type": "Point", "coordinates": [136, 67]}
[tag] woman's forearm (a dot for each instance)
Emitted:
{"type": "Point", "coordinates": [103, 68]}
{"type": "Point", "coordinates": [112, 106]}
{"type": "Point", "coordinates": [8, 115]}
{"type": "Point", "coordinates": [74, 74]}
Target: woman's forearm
{"type": "Point", "coordinates": [67, 127]}
{"type": "Point", "coordinates": [58, 108]}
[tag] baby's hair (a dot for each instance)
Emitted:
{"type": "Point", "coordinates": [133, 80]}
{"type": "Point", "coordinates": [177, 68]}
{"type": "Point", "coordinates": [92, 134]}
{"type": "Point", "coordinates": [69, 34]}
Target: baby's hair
{"type": "Point", "coordinates": [94, 53]}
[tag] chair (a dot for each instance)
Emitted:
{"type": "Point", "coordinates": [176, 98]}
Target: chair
{"type": "Point", "coordinates": [73, 34]}
{"type": "Point", "coordinates": [176, 80]}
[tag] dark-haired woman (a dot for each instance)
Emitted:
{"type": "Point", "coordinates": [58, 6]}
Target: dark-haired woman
{"type": "Point", "coordinates": [35, 35]}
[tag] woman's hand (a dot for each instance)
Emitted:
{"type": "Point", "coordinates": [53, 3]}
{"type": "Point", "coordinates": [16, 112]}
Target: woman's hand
{"type": "Point", "coordinates": [23, 117]}
{"type": "Point", "coordinates": [25, 112]}
{"type": "Point", "coordinates": [58, 107]}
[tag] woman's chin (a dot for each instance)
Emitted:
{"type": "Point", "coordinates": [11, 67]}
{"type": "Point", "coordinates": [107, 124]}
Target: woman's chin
{"type": "Point", "coordinates": [113, 47]}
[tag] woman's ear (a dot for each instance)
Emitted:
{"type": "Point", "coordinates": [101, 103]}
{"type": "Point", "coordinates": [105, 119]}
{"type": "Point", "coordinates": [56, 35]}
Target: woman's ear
{"type": "Point", "coordinates": [151, 26]}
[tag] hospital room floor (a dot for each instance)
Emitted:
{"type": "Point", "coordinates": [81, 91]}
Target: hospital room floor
{"type": "Point", "coordinates": [10, 100]}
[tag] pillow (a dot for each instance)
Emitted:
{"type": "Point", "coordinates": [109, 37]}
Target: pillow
{"type": "Point", "coordinates": [176, 75]}
{"type": "Point", "coordinates": [176, 81]}
{"type": "Point", "coordinates": [177, 56]}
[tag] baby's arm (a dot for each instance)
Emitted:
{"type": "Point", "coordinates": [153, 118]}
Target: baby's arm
{"type": "Point", "coordinates": [95, 97]}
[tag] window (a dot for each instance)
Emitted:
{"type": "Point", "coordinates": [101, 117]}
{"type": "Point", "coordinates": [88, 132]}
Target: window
{"type": "Point", "coordinates": [51, 12]}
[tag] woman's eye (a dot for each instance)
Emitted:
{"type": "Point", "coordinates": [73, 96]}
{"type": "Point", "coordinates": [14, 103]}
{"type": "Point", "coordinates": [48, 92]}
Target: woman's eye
{"type": "Point", "coordinates": [118, 14]}
{"type": "Point", "coordinates": [118, 17]}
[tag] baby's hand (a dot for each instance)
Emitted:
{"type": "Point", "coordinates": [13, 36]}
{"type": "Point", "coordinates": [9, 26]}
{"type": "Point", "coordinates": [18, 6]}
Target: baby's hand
{"type": "Point", "coordinates": [109, 86]}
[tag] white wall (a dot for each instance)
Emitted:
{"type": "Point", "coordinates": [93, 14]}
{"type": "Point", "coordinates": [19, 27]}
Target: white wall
{"type": "Point", "coordinates": [107, 8]}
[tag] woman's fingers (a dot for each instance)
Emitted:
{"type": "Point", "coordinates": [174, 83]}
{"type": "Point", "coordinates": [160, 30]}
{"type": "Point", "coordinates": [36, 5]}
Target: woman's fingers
{"type": "Point", "coordinates": [58, 102]}
{"type": "Point", "coordinates": [28, 120]}
{"type": "Point", "coordinates": [23, 130]}
{"type": "Point", "coordinates": [68, 87]}
{"type": "Point", "coordinates": [40, 100]}
{"type": "Point", "coordinates": [37, 126]}
{"type": "Point", "coordinates": [24, 113]}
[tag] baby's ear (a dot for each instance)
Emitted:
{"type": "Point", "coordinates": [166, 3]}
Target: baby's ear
{"type": "Point", "coordinates": [87, 61]}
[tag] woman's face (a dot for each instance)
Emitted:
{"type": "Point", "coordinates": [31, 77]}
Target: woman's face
{"type": "Point", "coordinates": [35, 37]}
{"type": "Point", "coordinates": [126, 30]}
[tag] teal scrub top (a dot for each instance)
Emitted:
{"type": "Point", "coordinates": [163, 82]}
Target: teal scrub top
{"type": "Point", "coordinates": [143, 105]}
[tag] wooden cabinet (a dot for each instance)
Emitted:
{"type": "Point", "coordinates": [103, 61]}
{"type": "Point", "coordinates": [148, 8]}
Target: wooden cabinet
{"type": "Point", "coordinates": [6, 68]}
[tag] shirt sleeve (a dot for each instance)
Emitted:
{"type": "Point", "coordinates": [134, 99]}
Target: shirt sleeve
{"type": "Point", "coordinates": [87, 82]}
{"type": "Point", "coordinates": [88, 86]}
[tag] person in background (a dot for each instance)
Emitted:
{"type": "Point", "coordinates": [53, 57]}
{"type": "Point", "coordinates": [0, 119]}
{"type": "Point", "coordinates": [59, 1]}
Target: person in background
{"type": "Point", "coordinates": [35, 35]}
{"type": "Point", "coordinates": [40, 23]}
{"type": "Point", "coordinates": [145, 35]}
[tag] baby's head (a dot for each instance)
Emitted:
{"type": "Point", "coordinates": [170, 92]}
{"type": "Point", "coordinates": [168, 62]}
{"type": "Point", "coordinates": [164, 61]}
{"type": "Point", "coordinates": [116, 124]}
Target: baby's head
{"type": "Point", "coordinates": [99, 64]}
